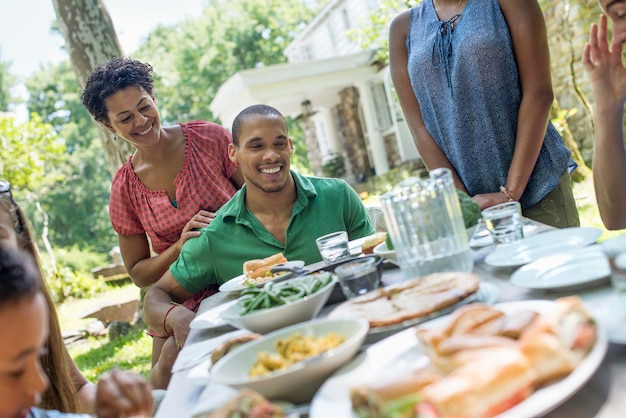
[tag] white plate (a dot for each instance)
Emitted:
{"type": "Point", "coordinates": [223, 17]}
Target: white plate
{"type": "Point", "coordinates": [611, 311]}
{"type": "Point", "coordinates": [614, 245]}
{"type": "Point", "coordinates": [570, 270]}
{"type": "Point", "coordinates": [235, 284]}
{"type": "Point", "coordinates": [399, 353]}
{"type": "Point", "coordinates": [211, 318]}
{"type": "Point", "coordinates": [199, 375]}
{"type": "Point", "coordinates": [354, 246]}
{"type": "Point", "coordinates": [541, 245]}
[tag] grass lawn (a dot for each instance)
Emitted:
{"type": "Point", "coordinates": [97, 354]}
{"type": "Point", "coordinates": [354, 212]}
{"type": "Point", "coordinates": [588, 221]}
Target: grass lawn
{"type": "Point", "coordinates": [95, 356]}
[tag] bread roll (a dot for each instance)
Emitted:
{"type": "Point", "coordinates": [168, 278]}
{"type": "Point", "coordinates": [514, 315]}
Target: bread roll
{"type": "Point", "coordinates": [253, 269]}
{"type": "Point", "coordinates": [372, 241]}
{"type": "Point", "coordinates": [396, 398]}
{"type": "Point", "coordinates": [230, 344]}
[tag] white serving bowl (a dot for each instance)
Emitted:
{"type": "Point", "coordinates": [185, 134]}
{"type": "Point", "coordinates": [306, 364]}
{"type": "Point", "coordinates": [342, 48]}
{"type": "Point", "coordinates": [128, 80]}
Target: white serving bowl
{"type": "Point", "coordinates": [267, 320]}
{"type": "Point", "coordinates": [298, 382]}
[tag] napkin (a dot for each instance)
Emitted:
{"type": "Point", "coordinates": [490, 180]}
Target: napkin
{"type": "Point", "coordinates": [193, 354]}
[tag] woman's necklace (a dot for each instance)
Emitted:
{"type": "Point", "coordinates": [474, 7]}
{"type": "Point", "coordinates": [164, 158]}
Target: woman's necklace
{"type": "Point", "coordinates": [439, 10]}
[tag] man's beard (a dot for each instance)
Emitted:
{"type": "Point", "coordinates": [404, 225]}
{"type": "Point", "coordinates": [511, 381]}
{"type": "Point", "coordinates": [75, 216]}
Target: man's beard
{"type": "Point", "coordinates": [273, 189]}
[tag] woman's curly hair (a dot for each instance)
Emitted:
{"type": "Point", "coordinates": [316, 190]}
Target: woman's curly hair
{"type": "Point", "coordinates": [107, 79]}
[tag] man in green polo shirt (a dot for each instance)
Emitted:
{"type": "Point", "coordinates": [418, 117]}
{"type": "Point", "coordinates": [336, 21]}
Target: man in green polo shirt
{"type": "Point", "coordinates": [277, 210]}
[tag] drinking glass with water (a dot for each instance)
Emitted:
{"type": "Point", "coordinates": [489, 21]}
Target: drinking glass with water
{"type": "Point", "coordinates": [504, 222]}
{"type": "Point", "coordinates": [333, 247]}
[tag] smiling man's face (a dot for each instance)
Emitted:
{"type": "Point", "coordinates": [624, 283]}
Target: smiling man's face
{"type": "Point", "coordinates": [264, 152]}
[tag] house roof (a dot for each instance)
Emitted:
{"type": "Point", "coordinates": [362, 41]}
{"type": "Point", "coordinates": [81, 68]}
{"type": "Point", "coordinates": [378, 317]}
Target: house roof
{"type": "Point", "coordinates": [286, 86]}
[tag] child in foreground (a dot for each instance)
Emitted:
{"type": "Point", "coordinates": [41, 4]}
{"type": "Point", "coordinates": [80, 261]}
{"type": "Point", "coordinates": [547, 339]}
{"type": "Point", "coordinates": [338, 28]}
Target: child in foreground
{"type": "Point", "coordinates": [24, 330]}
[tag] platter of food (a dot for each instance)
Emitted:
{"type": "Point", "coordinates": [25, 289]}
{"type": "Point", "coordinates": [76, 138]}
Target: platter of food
{"type": "Point", "coordinates": [570, 270]}
{"type": "Point", "coordinates": [291, 363]}
{"type": "Point", "coordinates": [532, 248]}
{"type": "Point", "coordinates": [487, 293]}
{"type": "Point", "coordinates": [507, 361]}
{"type": "Point", "coordinates": [258, 272]}
{"type": "Point", "coordinates": [409, 300]}
{"type": "Point", "coordinates": [277, 305]}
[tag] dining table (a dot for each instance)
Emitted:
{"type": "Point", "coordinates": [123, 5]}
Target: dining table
{"type": "Point", "coordinates": [602, 396]}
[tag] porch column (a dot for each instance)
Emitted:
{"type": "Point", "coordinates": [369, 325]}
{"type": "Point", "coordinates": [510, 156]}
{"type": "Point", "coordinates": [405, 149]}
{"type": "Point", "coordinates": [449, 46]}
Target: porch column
{"type": "Point", "coordinates": [375, 139]}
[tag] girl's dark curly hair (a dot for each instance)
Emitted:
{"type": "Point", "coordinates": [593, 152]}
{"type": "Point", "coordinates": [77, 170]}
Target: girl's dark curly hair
{"type": "Point", "coordinates": [107, 79]}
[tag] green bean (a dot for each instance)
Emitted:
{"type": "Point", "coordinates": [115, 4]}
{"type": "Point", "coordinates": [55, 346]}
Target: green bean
{"type": "Point", "coordinates": [254, 304]}
{"type": "Point", "coordinates": [275, 294]}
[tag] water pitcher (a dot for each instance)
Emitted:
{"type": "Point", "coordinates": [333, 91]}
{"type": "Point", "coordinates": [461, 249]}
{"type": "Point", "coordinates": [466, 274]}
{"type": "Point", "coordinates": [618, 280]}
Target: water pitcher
{"type": "Point", "coordinates": [426, 227]}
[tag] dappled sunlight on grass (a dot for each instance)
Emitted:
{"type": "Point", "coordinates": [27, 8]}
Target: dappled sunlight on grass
{"type": "Point", "coordinates": [70, 312]}
{"type": "Point", "coordinates": [96, 356]}
{"type": "Point", "coordinates": [588, 209]}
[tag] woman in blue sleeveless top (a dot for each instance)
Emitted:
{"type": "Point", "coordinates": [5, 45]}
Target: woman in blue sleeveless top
{"type": "Point", "coordinates": [473, 80]}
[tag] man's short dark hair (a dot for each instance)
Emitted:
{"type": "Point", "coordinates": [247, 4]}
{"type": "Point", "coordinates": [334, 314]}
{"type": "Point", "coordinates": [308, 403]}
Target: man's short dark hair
{"type": "Point", "coordinates": [258, 109]}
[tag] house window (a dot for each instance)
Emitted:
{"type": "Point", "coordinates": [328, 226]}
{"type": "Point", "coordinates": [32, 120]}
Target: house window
{"type": "Point", "coordinates": [392, 96]}
{"type": "Point", "coordinates": [306, 52]}
{"type": "Point", "coordinates": [345, 17]}
{"type": "Point", "coordinates": [331, 37]}
{"type": "Point", "coordinates": [381, 106]}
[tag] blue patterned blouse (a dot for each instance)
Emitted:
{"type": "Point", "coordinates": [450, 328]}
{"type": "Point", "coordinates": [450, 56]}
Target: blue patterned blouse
{"type": "Point", "coordinates": [466, 81]}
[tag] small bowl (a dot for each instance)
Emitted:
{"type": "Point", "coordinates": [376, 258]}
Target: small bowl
{"type": "Point", "coordinates": [298, 382]}
{"type": "Point", "coordinates": [384, 252]}
{"type": "Point", "coordinates": [337, 295]}
{"type": "Point", "coordinates": [267, 320]}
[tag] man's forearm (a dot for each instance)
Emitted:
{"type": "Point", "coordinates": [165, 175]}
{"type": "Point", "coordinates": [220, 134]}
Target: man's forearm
{"type": "Point", "coordinates": [156, 304]}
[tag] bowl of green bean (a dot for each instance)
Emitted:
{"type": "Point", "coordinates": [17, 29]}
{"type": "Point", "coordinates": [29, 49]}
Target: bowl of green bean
{"type": "Point", "coordinates": [277, 305]}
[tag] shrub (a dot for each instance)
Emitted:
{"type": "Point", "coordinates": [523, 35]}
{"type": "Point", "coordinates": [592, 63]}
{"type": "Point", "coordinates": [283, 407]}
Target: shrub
{"type": "Point", "coordinates": [334, 166]}
{"type": "Point", "coordinates": [67, 283]}
{"type": "Point", "coordinates": [80, 259]}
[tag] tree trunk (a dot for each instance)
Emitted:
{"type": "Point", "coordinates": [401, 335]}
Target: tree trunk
{"type": "Point", "coordinates": [90, 39]}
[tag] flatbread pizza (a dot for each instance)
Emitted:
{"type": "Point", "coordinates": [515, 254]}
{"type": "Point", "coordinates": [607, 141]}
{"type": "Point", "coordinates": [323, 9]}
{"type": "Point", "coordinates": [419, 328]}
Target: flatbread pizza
{"type": "Point", "coordinates": [411, 299]}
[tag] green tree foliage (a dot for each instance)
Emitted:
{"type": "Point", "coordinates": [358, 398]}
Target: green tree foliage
{"type": "Point", "coordinates": [191, 61]}
{"type": "Point", "coordinates": [375, 34]}
{"type": "Point", "coordinates": [194, 59]}
{"type": "Point", "coordinates": [77, 206]}
{"type": "Point", "coordinates": [6, 82]}
{"type": "Point", "coordinates": [30, 154]}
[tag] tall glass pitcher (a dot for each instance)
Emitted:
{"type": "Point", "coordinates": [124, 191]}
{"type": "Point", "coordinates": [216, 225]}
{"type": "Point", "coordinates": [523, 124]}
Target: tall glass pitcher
{"type": "Point", "coordinates": [426, 227]}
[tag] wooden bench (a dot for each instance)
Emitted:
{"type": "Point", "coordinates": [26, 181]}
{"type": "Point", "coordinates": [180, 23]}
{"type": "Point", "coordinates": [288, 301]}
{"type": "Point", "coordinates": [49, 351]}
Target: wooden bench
{"type": "Point", "coordinates": [125, 311]}
{"type": "Point", "coordinates": [112, 272]}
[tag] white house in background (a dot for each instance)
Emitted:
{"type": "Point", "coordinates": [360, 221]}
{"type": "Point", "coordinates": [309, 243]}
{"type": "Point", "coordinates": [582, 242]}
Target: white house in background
{"type": "Point", "coordinates": [344, 100]}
